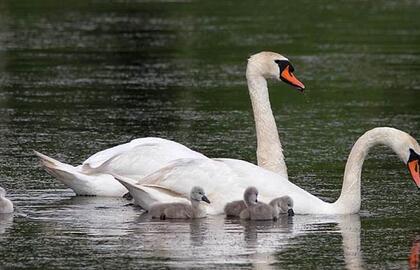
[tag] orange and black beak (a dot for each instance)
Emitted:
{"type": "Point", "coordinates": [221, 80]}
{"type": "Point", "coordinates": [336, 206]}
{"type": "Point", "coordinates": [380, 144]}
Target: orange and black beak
{"type": "Point", "coordinates": [287, 76]}
{"type": "Point", "coordinates": [413, 165]}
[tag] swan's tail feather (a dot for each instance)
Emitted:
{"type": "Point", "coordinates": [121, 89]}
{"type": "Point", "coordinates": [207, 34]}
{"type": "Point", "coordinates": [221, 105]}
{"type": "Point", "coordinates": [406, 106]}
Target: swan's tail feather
{"type": "Point", "coordinates": [99, 184]}
{"type": "Point", "coordinates": [69, 179]}
{"type": "Point", "coordinates": [65, 173]}
{"type": "Point", "coordinates": [46, 160]}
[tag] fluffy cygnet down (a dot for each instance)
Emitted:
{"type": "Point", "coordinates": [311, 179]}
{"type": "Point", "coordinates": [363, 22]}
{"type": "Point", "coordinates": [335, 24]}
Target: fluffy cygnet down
{"type": "Point", "coordinates": [283, 205]}
{"type": "Point", "coordinates": [256, 210]}
{"type": "Point", "coordinates": [182, 210]}
{"type": "Point", "coordinates": [233, 209]}
{"type": "Point", "coordinates": [6, 206]}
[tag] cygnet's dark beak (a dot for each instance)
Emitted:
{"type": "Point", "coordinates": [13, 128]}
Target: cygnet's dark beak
{"type": "Point", "coordinates": [290, 212]}
{"type": "Point", "coordinates": [204, 199]}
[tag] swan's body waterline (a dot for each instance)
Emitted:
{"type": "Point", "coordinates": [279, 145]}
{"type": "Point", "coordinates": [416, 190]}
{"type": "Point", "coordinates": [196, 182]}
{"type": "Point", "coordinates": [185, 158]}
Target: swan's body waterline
{"type": "Point", "coordinates": [225, 179]}
{"type": "Point", "coordinates": [6, 206]}
{"type": "Point", "coordinates": [143, 156]}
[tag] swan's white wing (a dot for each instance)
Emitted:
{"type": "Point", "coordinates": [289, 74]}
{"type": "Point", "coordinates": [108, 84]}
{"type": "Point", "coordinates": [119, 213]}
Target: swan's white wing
{"type": "Point", "coordinates": [224, 180]}
{"type": "Point", "coordinates": [138, 157]}
{"type": "Point", "coordinates": [134, 159]}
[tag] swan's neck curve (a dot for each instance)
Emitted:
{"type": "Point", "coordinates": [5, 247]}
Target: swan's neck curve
{"type": "Point", "coordinates": [350, 198]}
{"type": "Point", "coordinates": [269, 149]}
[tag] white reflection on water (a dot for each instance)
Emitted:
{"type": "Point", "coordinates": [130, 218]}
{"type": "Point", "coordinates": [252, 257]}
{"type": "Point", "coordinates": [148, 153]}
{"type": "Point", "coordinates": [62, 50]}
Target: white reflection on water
{"type": "Point", "coordinates": [109, 226]}
{"type": "Point", "coordinates": [6, 221]}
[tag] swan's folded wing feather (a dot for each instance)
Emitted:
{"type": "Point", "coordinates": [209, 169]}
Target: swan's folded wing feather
{"type": "Point", "coordinates": [147, 195]}
{"type": "Point", "coordinates": [139, 157]}
{"type": "Point", "coordinates": [165, 190]}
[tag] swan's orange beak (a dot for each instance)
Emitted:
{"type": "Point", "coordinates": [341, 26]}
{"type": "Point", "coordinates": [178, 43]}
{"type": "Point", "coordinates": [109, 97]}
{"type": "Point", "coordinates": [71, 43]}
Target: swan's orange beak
{"type": "Point", "coordinates": [413, 165]}
{"type": "Point", "coordinates": [287, 76]}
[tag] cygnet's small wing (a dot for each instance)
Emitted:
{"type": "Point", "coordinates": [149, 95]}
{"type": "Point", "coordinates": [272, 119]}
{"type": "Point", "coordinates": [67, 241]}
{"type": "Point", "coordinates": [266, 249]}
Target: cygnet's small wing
{"type": "Point", "coordinates": [245, 214]}
{"type": "Point", "coordinates": [179, 211]}
{"type": "Point", "coordinates": [171, 210]}
{"type": "Point", "coordinates": [262, 211]}
{"type": "Point", "coordinates": [234, 209]}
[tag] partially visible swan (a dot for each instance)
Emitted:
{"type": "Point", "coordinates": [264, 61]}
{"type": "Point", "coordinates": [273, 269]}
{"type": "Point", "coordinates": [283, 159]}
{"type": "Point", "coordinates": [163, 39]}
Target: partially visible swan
{"type": "Point", "coordinates": [6, 206]}
{"type": "Point", "coordinates": [182, 210]}
{"type": "Point", "coordinates": [225, 179]}
{"type": "Point", "coordinates": [256, 210]}
{"type": "Point", "coordinates": [140, 157]}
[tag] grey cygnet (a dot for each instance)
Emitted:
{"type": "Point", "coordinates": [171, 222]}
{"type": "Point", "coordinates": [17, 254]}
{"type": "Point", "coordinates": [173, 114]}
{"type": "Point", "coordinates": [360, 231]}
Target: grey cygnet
{"type": "Point", "coordinates": [182, 210]}
{"type": "Point", "coordinates": [283, 205]}
{"type": "Point", "coordinates": [256, 210]}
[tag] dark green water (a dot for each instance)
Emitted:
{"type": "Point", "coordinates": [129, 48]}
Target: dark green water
{"type": "Point", "coordinates": [77, 77]}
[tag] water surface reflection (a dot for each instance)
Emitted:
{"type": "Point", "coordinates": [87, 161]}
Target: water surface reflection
{"type": "Point", "coordinates": [111, 230]}
{"type": "Point", "coordinates": [6, 221]}
{"type": "Point", "coordinates": [77, 77]}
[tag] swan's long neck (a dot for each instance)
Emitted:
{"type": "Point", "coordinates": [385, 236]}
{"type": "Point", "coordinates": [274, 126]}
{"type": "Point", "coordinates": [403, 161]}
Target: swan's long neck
{"type": "Point", "coordinates": [269, 149]}
{"type": "Point", "coordinates": [350, 198]}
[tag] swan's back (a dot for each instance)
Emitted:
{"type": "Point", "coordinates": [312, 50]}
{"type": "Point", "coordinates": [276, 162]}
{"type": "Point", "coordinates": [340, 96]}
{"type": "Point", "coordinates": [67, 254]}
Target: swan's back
{"type": "Point", "coordinates": [138, 157]}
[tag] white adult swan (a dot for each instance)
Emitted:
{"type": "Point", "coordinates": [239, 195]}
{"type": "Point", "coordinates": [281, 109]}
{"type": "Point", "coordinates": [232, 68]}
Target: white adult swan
{"type": "Point", "coordinates": [226, 179]}
{"type": "Point", "coordinates": [140, 157]}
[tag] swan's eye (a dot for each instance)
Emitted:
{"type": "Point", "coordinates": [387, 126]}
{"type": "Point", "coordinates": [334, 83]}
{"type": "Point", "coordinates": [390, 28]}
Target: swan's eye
{"type": "Point", "coordinates": [282, 64]}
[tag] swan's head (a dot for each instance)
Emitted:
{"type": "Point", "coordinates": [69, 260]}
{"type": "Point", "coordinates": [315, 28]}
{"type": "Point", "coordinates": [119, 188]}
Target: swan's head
{"type": "Point", "coordinates": [2, 192]}
{"type": "Point", "coordinates": [413, 165]}
{"type": "Point", "coordinates": [272, 65]}
{"type": "Point", "coordinates": [408, 149]}
{"type": "Point", "coordinates": [197, 194]}
{"type": "Point", "coordinates": [250, 196]}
